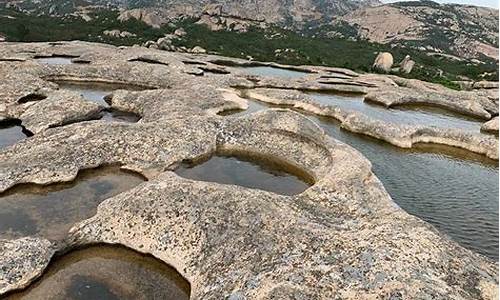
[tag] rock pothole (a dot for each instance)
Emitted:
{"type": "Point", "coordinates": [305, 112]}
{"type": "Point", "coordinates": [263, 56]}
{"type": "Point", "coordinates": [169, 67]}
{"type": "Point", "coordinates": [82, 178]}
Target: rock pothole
{"type": "Point", "coordinates": [50, 211]}
{"type": "Point", "coordinates": [31, 97]}
{"type": "Point", "coordinates": [100, 93]}
{"type": "Point", "coordinates": [107, 272]}
{"type": "Point", "coordinates": [251, 171]}
{"type": "Point", "coordinates": [11, 131]}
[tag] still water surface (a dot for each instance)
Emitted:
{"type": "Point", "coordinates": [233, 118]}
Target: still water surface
{"type": "Point", "coordinates": [11, 133]}
{"type": "Point", "coordinates": [107, 273]}
{"type": "Point", "coordinates": [273, 71]}
{"type": "Point", "coordinates": [50, 211]}
{"type": "Point", "coordinates": [55, 60]}
{"type": "Point", "coordinates": [97, 93]}
{"type": "Point", "coordinates": [256, 174]}
{"type": "Point", "coordinates": [453, 189]}
{"type": "Point", "coordinates": [412, 115]}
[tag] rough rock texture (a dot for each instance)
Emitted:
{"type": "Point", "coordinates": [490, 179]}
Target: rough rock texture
{"type": "Point", "coordinates": [383, 62]}
{"type": "Point", "coordinates": [342, 238]}
{"type": "Point", "coordinates": [241, 12]}
{"type": "Point", "coordinates": [59, 109]}
{"type": "Point", "coordinates": [400, 135]}
{"type": "Point", "coordinates": [465, 102]}
{"type": "Point", "coordinates": [491, 126]}
{"type": "Point", "coordinates": [22, 260]}
{"type": "Point", "coordinates": [459, 31]}
{"type": "Point", "coordinates": [406, 65]}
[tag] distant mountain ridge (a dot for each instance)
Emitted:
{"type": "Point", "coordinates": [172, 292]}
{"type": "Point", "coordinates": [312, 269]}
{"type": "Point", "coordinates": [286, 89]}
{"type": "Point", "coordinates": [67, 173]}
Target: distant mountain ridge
{"type": "Point", "coordinates": [449, 30]}
{"type": "Point", "coordinates": [271, 11]}
{"type": "Point", "coordinates": [465, 31]}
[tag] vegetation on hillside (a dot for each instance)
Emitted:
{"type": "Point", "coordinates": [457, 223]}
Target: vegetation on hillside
{"type": "Point", "coordinates": [20, 27]}
{"type": "Point", "coordinates": [272, 44]}
{"type": "Point", "coordinates": [357, 55]}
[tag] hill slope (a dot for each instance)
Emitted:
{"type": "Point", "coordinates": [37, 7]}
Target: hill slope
{"type": "Point", "coordinates": [459, 30]}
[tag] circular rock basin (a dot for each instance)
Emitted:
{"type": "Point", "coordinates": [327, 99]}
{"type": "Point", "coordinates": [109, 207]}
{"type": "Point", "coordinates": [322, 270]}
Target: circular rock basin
{"type": "Point", "coordinates": [453, 189]}
{"type": "Point", "coordinates": [11, 132]}
{"type": "Point", "coordinates": [256, 173]}
{"type": "Point", "coordinates": [107, 273]}
{"type": "Point", "coordinates": [51, 210]}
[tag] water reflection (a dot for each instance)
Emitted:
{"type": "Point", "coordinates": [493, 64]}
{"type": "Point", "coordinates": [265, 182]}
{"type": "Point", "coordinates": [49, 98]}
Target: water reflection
{"type": "Point", "coordinates": [413, 115]}
{"type": "Point", "coordinates": [55, 60]}
{"type": "Point", "coordinates": [11, 132]}
{"type": "Point", "coordinates": [97, 93]}
{"type": "Point", "coordinates": [252, 173]}
{"type": "Point", "coordinates": [453, 189]}
{"type": "Point", "coordinates": [51, 210]}
{"type": "Point", "coordinates": [107, 273]}
{"type": "Point", "coordinates": [273, 72]}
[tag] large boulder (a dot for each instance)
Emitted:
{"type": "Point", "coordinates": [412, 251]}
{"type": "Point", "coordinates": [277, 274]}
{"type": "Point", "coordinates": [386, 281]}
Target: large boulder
{"type": "Point", "coordinates": [406, 65]}
{"type": "Point", "coordinates": [199, 50]}
{"type": "Point", "coordinates": [180, 32]}
{"type": "Point", "coordinates": [491, 126]}
{"type": "Point", "coordinates": [383, 62]}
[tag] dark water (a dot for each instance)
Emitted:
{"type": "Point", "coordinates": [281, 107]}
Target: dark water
{"type": "Point", "coordinates": [413, 115]}
{"type": "Point", "coordinates": [453, 189]}
{"type": "Point", "coordinates": [97, 93]}
{"type": "Point", "coordinates": [50, 211]}
{"type": "Point", "coordinates": [11, 132]}
{"type": "Point", "coordinates": [107, 273]}
{"type": "Point", "coordinates": [9, 135]}
{"type": "Point", "coordinates": [273, 72]}
{"type": "Point", "coordinates": [251, 173]}
{"type": "Point", "coordinates": [55, 60]}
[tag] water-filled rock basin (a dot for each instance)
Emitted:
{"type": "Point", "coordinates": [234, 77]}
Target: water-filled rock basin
{"type": "Point", "coordinates": [107, 273]}
{"type": "Point", "coordinates": [412, 115]}
{"type": "Point", "coordinates": [50, 211]}
{"type": "Point", "coordinates": [273, 72]}
{"type": "Point", "coordinates": [97, 92]}
{"type": "Point", "coordinates": [55, 60]}
{"type": "Point", "coordinates": [11, 132]}
{"type": "Point", "coordinates": [93, 91]}
{"type": "Point", "coordinates": [453, 189]}
{"type": "Point", "coordinates": [255, 173]}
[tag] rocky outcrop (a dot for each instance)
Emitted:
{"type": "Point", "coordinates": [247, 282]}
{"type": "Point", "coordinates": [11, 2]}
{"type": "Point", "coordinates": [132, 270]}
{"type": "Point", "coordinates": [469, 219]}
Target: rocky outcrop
{"type": "Point", "coordinates": [58, 109]}
{"type": "Point", "coordinates": [383, 62]}
{"type": "Point", "coordinates": [491, 126]}
{"type": "Point", "coordinates": [401, 135]}
{"type": "Point", "coordinates": [239, 13]}
{"type": "Point", "coordinates": [197, 248]}
{"type": "Point", "coordinates": [428, 24]}
{"type": "Point", "coordinates": [410, 91]}
{"type": "Point", "coordinates": [341, 238]}
{"type": "Point", "coordinates": [406, 65]}
{"type": "Point", "coordinates": [118, 34]}
{"type": "Point", "coordinates": [152, 17]}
